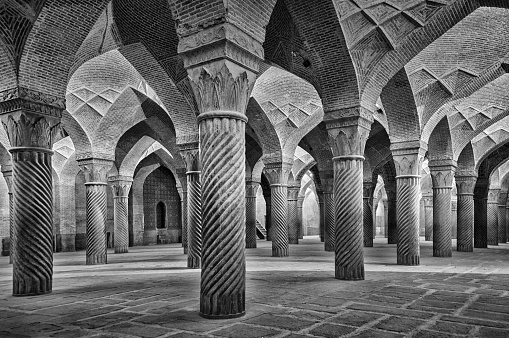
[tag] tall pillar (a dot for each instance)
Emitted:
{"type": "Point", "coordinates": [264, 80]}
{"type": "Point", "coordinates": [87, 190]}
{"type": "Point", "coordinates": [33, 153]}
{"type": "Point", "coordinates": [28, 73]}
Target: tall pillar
{"type": "Point", "coordinates": [493, 216]}
{"type": "Point", "coordinates": [507, 219]}
{"type": "Point", "coordinates": [502, 235]}
{"type": "Point", "coordinates": [31, 120]}
{"type": "Point", "coordinates": [327, 179]}
{"type": "Point", "coordinates": [182, 176]}
{"type": "Point", "coordinates": [481, 213]}
{"type": "Point", "coordinates": [385, 223]}
{"type": "Point", "coordinates": [347, 137]}
{"type": "Point", "coordinates": [428, 217]}
{"type": "Point", "coordinates": [442, 175]}
{"type": "Point", "coordinates": [465, 187]}
{"type": "Point", "coordinates": [251, 189]}
{"type": "Point", "coordinates": [268, 214]}
{"type": "Point", "coordinates": [367, 201]}
{"type": "Point", "coordinates": [408, 159]}
{"type": "Point", "coordinates": [190, 156]}
{"type": "Point", "coordinates": [7, 172]}
{"type": "Point", "coordinates": [293, 217]}
{"type": "Point", "coordinates": [300, 223]}
{"type": "Point", "coordinates": [95, 171]}
{"type": "Point", "coordinates": [321, 211]}
{"type": "Point", "coordinates": [277, 173]}
{"type": "Point", "coordinates": [120, 186]}
{"type": "Point", "coordinates": [392, 219]}
{"type": "Point", "coordinates": [222, 74]}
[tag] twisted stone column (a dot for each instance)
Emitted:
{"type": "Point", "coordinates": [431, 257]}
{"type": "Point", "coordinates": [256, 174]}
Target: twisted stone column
{"type": "Point", "coordinates": [300, 223]}
{"type": "Point", "coordinates": [347, 137]}
{"type": "Point", "coordinates": [95, 171]}
{"type": "Point", "coordinates": [277, 174]}
{"type": "Point", "coordinates": [367, 202]}
{"type": "Point", "coordinates": [481, 213]}
{"type": "Point", "coordinates": [31, 136]}
{"type": "Point", "coordinates": [268, 216]}
{"type": "Point", "coordinates": [293, 218]}
{"type": "Point", "coordinates": [428, 218]}
{"type": "Point", "coordinates": [465, 188]}
{"type": "Point", "coordinates": [182, 176]}
{"type": "Point", "coordinates": [502, 235]}
{"type": "Point", "coordinates": [321, 211]}
{"type": "Point", "coordinates": [7, 172]}
{"type": "Point", "coordinates": [190, 156]}
{"type": "Point", "coordinates": [408, 167]}
{"type": "Point", "coordinates": [442, 175]}
{"type": "Point", "coordinates": [507, 218]}
{"type": "Point", "coordinates": [120, 186]}
{"type": "Point", "coordinates": [493, 216]}
{"type": "Point", "coordinates": [392, 219]}
{"type": "Point", "coordinates": [329, 226]}
{"type": "Point", "coordinates": [251, 189]}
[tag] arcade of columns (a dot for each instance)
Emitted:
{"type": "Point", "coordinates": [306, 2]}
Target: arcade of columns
{"type": "Point", "coordinates": [382, 115]}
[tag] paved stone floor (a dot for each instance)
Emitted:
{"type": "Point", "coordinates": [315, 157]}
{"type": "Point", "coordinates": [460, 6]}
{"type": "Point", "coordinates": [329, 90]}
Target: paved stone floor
{"type": "Point", "coordinates": [150, 293]}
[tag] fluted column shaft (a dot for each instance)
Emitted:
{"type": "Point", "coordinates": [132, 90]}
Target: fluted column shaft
{"type": "Point", "coordinates": [194, 220]}
{"type": "Point", "coordinates": [502, 235]}
{"type": "Point", "coordinates": [293, 221]}
{"type": "Point", "coordinates": [7, 172]}
{"type": "Point", "coordinates": [251, 189]}
{"type": "Point", "coordinates": [321, 211]}
{"type": "Point", "coordinates": [329, 227]}
{"type": "Point", "coordinates": [279, 219]}
{"type": "Point", "coordinates": [392, 218]}
{"type": "Point", "coordinates": [32, 248]}
{"type": "Point", "coordinates": [120, 188]}
{"type": "Point", "coordinates": [428, 218]}
{"type": "Point", "coordinates": [442, 175]}
{"type": "Point", "coordinates": [300, 223]}
{"type": "Point", "coordinates": [349, 217]}
{"type": "Point", "coordinates": [408, 250]}
{"type": "Point", "coordinates": [182, 176]}
{"type": "Point", "coordinates": [465, 222]}
{"type": "Point", "coordinates": [493, 216]}
{"type": "Point", "coordinates": [367, 202]}
{"type": "Point", "coordinates": [268, 216]}
{"type": "Point", "coordinates": [507, 220]}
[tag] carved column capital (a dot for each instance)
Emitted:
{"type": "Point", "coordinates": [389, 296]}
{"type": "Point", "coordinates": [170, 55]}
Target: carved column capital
{"type": "Point", "coordinates": [502, 197]}
{"type": "Point", "coordinates": [190, 153]}
{"type": "Point", "coordinates": [327, 181]}
{"type": "Point", "coordinates": [95, 170]}
{"type": "Point", "coordinates": [349, 131]}
{"type": "Point", "coordinates": [120, 185]}
{"type": "Point", "coordinates": [19, 99]}
{"type": "Point", "coordinates": [252, 189]}
{"type": "Point", "coordinates": [442, 174]}
{"type": "Point", "coordinates": [277, 173]}
{"type": "Point", "coordinates": [293, 192]}
{"type": "Point", "coordinates": [408, 157]}
{"type": "Point", "coordinates": [493, 196]}
{"type": "Point", "coordinates": [182, 176]}
{"type": "Point", "coordinates": [465, 185]}
{"type": "Point", "coordinates": [368, 188]}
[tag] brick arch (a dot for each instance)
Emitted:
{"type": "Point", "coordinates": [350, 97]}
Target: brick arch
{"type": "Point", "coordinates": [253, 150]}
{"type": "Point", "coordinates": [309, 184]}
{"type": "Point", "coordinates": [133, 157]}
{"type": "Point", "coordinates": [316, 143]}
{"type": "Point", "coordinates": [377, 150]}
{"type": "Point", "coordinates": [466, 161]}
{"type": "Point", "coordinates": [131, 108]}
{"type": "Point", "coordinates": [256, 171]}
{"type": "Point", "coordinates": [53, 41]}
{"type": "Point", "coordinates": [440, 143]}
{"type": "Point", "coordinates": [399, 105]}
{"type": "Point", "coordinates": [263, 128]}
{"type": "Point", "coordinates": [8, 77]}
{"type": "Point", "coordinates": [382, 68]}
{"type": "Point", "coordinates": [303, 167]}
{"type": "Point", "coordinates": [79, 137]}
{"type": "Point", "coordinates": [492, 159]}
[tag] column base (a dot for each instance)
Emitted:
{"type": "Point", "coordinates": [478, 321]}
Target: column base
{"type": "Point", "coordinates": [121, 249]}
{"type": "Point", "coordinates": [30, 288]}
{"type": "Point", "coordinates": [276, 252]}
{"type": "Point", "coordinates": [293, 241]}
{"type": "Point", "coordinates": [368, 243]}
{"type": "Point", "coordinates": [442, 253]}
{"type": "Point", "coordinates": [493, 243]}
{"type": "Point", "coordinates": [428, 238]}
{"type": "Point", "coordinates": [480, 245]}
{"type": "Point", "coordinates": [225, 307]}
{"type": "Point", "coordinates": [408, 260]}
{"type": "Point", "coordinates": [96, 260]}
{"type": "Point", "coordinates": [193, 262]}
{"type": "Point", "coordinates": [350, 273]}
{"type": "Point", "coordinates": [465, 248]}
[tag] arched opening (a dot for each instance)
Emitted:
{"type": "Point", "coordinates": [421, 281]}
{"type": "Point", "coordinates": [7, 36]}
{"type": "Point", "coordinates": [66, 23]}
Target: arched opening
{"type": "Point", "coordinates": [161, 215]}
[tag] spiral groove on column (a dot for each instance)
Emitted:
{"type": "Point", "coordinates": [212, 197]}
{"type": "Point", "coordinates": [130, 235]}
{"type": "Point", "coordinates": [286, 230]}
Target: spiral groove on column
{"type": "Point", "coordinates": [268, 217]}
{"type": "Point", "coordinates": [502, 236]}
{"type": "Point", "coordinates": [507, 223]}
{"type": "Point", "coordinates": [251, 222]}
{"type": "Point", "coordinates": [442, 240]}
{"type": "Point", "coordinates": [321, 222]}
{"type": "Point", "coordinates": [279, 193]}
{"type": "Point", "coordinates": [293, 226]}
{"type": "Point", "coordinates": [223, 217]}
{"type": "Point", "coordinates": [11, 226]}
{"type": "Point", "coordinates": [428, 222]}
{"type": "Point", "coordinates": [492, 223]}
{"type": "Point", "coordinates": [33, 222]}
{"type": "Point", "coordinates": [392, 229]}
{"type": "Point", "coordinates": [96, 221]}
{"type": "Point", "coordinates": [300, 224]}
{"type": "Point", "coordinates": [194, 222]}
{"type": "Point", "coordinates": [368, 223]}
{"type": "Point", "coordinates": [480, 223]}
{"type": "Point", "coordinates": [465, 223]}
{"type": "Point", "coordinates": [408, 250]}
{"type": "Point", "coordinates": [349, 254]}
{"type": "Point", "coordinates": [329, 227]}
{"type": "Point", "coordinates": [184, 222]}
{"type": "Point", "coordinates": [121, 224]}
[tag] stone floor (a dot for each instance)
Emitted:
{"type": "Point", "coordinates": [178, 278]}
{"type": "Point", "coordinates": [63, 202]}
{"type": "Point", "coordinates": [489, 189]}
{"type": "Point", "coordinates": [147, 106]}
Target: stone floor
{"type": "Point", "coordinates": [150, 293]}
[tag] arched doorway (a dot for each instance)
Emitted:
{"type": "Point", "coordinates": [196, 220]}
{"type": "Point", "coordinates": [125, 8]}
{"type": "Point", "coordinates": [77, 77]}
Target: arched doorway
{"type": "Point", "coordinates": [161, 215]}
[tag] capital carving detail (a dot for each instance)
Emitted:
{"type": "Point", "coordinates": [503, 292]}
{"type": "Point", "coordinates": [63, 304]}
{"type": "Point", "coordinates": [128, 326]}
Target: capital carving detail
{"type": "Point", "coordinates": [95, 170]}
{"type": "Point", "coordinates": [30, 101]}
{"type": "Point", "coordinates": [348, 136]}
{"type": "Point", "coordinates": [120, 185]}
{"type": "Point", "coordinates": [31, 130]}
{"type": "Point", "coordinates": [190, 154]}
{"type": "Point", "coordinates": [442, 177]}
{"type": "Point", "coordinates": [277, 173]}
{"type": "Point", "coordinates": [465, 185]}
{"type": "Point", "coordinates": [252, 188]}
{"type": "Point", "coordinates": [408, 162]}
